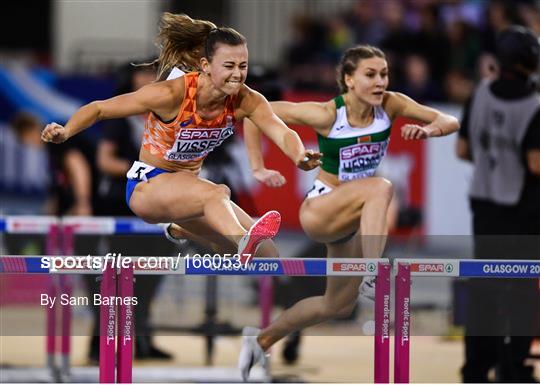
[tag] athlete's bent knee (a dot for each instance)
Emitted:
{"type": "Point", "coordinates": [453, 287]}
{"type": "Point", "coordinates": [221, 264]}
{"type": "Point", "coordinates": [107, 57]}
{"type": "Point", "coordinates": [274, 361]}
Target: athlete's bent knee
{"type": "Point", "coordinates": [219, 191]}
{"type": "Point", "coordinates": [136, 204]}
{"type": "Point", "coordinates": [346, 311]}
{"type": "Point", "coordinates": [330, 312]}
{"type": "Point", "coordinates": [334, 310]}
{"type": "Point", "coordinates": [383, 189]}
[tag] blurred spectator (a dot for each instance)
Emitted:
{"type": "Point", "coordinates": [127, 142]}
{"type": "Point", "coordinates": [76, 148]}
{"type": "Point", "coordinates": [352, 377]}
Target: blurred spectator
{"type": "Point", "coordinates": [464, 47]}
{"type": "Point", "coordinates": [468, 12]}
{"type": "Point", "coordinates": [500, 135]}
{"type": "Point", "coordinates": [398, 39]}
{"type": "Point", "coordinates": [71, 167]}
{"type": "Point", "coordinates": [430, 41]}
{"type": "Point", "coordinates": [340, 37]}
{"type": "Point", "coordinates": [72, 178]}
{"type": "Point", "coordinates": [398, 36]}
{"type": "Point", "coordinates": [418, 83]}
{"type": "Point", "coordinates": [500, 15]}
{"type": "Point", "coordinates": [458, 86]}
{"type": "Point", "coordinates": [24, 180]}
{"type": "Point", "coordinates": [309, 61]}
{"type": "Point", "coordinates": [365, 26]}
{"type": "Point", "coordinates": [27, 128]}
{"type": "Point", "coordinates": [26, 156]}
{"type": "Point", "coordinates": [531, 16]}
{"type": "Point", "coordinates": [116, 151]}
{"type": "Point", "coordinates": [487, 67]}
{"type": "Point", "coordinates": [456, 39]}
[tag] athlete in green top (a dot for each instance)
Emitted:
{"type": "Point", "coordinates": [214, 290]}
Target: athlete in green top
{"type": "Point", "coordinates": [346, 208]}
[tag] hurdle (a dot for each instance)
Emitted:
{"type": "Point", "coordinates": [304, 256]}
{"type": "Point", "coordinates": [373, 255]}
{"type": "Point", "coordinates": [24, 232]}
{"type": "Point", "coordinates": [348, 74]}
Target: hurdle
{"type": "Point", "coordinates": [60, 233]}
{"type": "Point", "coordinates": [117, 357]}
{"type": "Point", "coordinates": [458, 268]}
{"type": "Point", "coordinates": [55, 243]}
{"type": "Point", "coordinates": [118, 322]}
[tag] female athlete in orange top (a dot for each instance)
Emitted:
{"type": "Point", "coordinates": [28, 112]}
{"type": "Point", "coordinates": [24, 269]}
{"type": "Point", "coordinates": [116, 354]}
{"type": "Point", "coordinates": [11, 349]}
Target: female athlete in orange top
{"type": "Point", "coordinates": [187, 118]}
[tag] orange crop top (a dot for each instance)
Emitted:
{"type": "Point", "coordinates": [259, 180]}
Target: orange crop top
{"type": "Point", "coordinates": [188, 137]}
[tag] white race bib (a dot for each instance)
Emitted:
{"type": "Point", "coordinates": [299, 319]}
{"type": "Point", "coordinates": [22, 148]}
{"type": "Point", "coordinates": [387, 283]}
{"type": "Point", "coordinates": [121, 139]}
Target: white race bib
{"type": "Point", "coordinates": [318, 189]}
{"type": "Point", "coordinates": [360, 160]}
{"type": "Point", "coordinates": [195, 143]}
{"type": "Point", "coordinates": [139, 170]}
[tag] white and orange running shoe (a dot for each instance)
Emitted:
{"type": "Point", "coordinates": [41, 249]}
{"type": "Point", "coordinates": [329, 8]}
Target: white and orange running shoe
{"type": "Point", "coordinates": [266, 227]}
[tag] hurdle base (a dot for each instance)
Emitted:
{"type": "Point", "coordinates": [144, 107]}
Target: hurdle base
{"type": "Point", "coordinates": [208, 330]}
{"type": "Point", "coordinates": [203, 329]}
{"type": "Point", "coordinates": [152, 374]}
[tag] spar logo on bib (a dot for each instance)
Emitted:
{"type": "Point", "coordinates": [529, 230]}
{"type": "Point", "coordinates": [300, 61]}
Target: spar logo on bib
{"type": "Point", "coordinates": [196, 143]}
{"type": "Point", "coordinates": [360, 160]}
{"type": "Point", "coordinates": [350, 152]}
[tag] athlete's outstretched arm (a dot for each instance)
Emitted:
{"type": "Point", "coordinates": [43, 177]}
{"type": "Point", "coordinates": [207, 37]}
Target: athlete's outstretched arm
{"type": "Point", "coordinates": [319, 116]}
{"type": "Point", "coordinates": [257, 108]}
{"type": "Point", "coordinates": [252, 139]}
{"type": "Point", "coordinates": [157, 97]}
{"type": "Point", "coordinates": [438, 123]}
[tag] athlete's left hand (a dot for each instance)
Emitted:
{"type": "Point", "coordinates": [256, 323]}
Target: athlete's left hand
{"type": "Point", "coordinates": [271, 178]}
{"type": "Point", "coordinates": [310, 160]}
{"type": "Point", "coordinates": [414, 131]}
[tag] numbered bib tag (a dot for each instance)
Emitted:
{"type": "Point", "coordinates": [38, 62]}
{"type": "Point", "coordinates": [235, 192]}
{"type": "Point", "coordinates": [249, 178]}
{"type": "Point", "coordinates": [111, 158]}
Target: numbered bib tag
{"type": "Point", "coordinates": [360, 160]}
{"type": "Point", "coordinates": [139, 170]}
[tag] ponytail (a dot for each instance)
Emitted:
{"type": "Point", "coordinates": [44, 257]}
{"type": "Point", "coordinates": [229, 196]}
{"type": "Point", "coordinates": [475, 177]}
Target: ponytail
{"type": "Point", "coordinates": [183, 41]}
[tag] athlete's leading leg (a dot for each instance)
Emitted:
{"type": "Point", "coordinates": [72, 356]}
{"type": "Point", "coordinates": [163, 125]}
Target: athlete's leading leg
{"type": "Point", "coordinates": [354, 205]}
{"type": "Point", "coordinates": [349, 207]}
{"type": "Point", "coordinates": [338, 301]}
{"type": "Point", "coordinates": [200, 231]}
{"type": "Point", "coordinates": [362, 203]}
{"type": "Point", "coordinates": [182, 196]}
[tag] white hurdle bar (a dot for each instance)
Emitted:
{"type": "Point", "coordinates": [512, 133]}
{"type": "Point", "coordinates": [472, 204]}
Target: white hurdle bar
{"type": "Point", "coordinates": [60, 234]}
{"type": "Point", "coordinates": [119, 281]}
{"type": "Point", "coordinates": [407, 268]}
{"type": "Point", "coordinates": [28, 224]}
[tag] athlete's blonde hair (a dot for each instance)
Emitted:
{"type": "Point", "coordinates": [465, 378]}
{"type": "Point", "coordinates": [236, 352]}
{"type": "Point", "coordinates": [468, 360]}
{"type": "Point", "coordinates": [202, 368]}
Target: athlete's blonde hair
{"type": "Point", "coordinates": [183, 41]}
{"type": "Point", "coordinates": [350, 59]}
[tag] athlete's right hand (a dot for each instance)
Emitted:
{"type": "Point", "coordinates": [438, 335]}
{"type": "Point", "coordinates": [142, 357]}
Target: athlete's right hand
{"type": "Point", "coordinates": [271, 178]}
{"type": "Point", "coordinates": [310, 160]}
{"type": "Point", "coordinates": [55, 133]}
